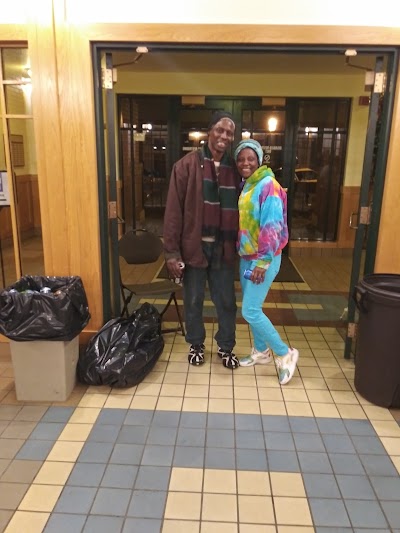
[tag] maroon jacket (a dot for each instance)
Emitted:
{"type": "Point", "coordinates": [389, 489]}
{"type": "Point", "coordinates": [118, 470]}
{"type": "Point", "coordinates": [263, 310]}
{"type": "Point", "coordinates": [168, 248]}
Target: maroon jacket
{"type": "Point", "coordinates": [183, 219]}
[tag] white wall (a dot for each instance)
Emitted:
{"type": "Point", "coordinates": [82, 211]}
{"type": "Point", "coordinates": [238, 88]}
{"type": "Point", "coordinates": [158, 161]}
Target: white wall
{"type": "Point", "coordinates": [386, 13]}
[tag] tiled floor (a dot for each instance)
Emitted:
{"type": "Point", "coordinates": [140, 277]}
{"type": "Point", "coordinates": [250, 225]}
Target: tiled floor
{"type": "Point", "coordinates": [205, 450]}
{"type": "Point", "coordinates": [208, 450]}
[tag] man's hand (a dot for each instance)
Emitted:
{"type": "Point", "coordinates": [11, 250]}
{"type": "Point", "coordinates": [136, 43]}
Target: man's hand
{"type": "Point", "coordinates": [174, 269]}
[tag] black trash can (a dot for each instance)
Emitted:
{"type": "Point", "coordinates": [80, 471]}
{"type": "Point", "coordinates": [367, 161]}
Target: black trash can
{"type": "Point", "coordinates": [377, 362]}
{"type": "Point", "coordinates": [43, 316]}
{"type": "Point", "coordinates": [44, 308]}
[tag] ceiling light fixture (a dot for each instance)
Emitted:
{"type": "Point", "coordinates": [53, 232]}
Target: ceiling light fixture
{"type": "Point", "coordinates": [272, 123]}
{"type": "Point", "coordinates": [350, 52]}
{"type": "Point", "coordinates": [140, 51]}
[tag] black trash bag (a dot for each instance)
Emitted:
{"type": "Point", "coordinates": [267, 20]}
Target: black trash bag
{"type": "Point", "coordinates": [124, 351]}
{"type": "Point", "coordinates": [57, 314]}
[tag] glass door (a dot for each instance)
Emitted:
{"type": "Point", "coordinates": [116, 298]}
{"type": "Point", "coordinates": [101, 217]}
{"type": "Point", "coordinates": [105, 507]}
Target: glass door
{"type": "Point", "coordinates": [320, 160]}
{"type": "Point", "coordinates": [366, 221]}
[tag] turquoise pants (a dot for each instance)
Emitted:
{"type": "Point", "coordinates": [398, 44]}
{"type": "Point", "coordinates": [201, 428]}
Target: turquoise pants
{"type": "Point", "coordinates": [264, 334]}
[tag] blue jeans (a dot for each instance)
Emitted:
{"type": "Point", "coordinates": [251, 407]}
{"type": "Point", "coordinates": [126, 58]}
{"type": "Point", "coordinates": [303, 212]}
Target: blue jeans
{"type": "Point", "coordinates": [264, 334]}
{"type": "Point", "coordinates": [221, 282]}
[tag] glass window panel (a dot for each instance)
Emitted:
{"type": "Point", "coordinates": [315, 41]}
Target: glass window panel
{"type": "Point", "coordinates": [3, 165]}
{"type": "Point", "coordinates": [317, 113]}
{"type": "Point", "coordinates": [125, 113]}
{"type": "Point", "coordinates": [15, 63]}
{"type": "Point", "coordinates": [194, 128]}
{"type": "Point", "coordinates": [18, 99]}
{"type": "Point", "coordinates": [269, 121]}
{"type": "Point", "coordinates": [267, 127]}
{"type": "Point", "coordinates": [23, 155]}
{"type": "Point", "coordinates": [343, 112]}
{"type": "Point", "coordinates": [195, 119]}
{"type": "Point", "coordinates": [7, 259]}
{"type": "Point", "coordinates": [321, 151]}
{"type": "Point", "coordinates": [247, 123]}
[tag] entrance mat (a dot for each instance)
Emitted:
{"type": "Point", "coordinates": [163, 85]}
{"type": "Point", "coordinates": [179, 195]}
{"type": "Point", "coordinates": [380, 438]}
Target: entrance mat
{"type": "Point", "coordinates": [288, 273]}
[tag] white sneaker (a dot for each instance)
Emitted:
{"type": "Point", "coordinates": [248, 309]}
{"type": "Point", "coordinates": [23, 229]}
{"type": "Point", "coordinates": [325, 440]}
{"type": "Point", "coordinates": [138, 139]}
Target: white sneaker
{"type": "Point", "coordinates": [257, 358]}
{"type": "Point", "coordinates": [286, 365]}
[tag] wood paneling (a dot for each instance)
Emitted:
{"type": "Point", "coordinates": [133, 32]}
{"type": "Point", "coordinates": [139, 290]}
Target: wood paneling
{"type": "Point", "coordinates": [65, 141]}
{"type": "Point", "coordinates": [244, 34]}
{"type": "Point", "coordinates": [28, 207]}
{"type": "Point", "coordinates": [45, 102]}
{"type": "Point", "coordinates": [388, 250]}
{"type": "Point", "coordinates": [13, 33]}
{"type": "Point", "coordinates": [5, 223]}
{"type": "Point", "coordinates": [25, 202]}
{"type": "Point", "coordinates": [78, 147]}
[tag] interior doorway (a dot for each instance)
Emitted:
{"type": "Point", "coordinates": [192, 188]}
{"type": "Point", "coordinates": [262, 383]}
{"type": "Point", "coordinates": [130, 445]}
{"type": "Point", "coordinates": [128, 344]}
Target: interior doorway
{"type": "Point", "coordinates": [335, 135]}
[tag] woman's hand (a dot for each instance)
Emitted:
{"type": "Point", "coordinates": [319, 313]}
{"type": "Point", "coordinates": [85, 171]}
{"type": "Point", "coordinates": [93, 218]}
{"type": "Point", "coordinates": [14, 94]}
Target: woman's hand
{"type": "Point", "coordinates": [258, 275]}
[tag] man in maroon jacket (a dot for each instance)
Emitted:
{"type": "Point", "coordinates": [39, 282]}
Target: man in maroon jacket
{"type": "Point", "coordinates": [200, 230]}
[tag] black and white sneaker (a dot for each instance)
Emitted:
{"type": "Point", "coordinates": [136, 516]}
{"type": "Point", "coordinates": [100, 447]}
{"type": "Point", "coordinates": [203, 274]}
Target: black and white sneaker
{"type": "Point", "coordinates": [196, 354]}
{"type": "Point", "coordinates": [229, 359]}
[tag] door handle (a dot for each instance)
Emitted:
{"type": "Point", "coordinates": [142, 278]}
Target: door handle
{"type": "Point", "coordinates": [352, 215]}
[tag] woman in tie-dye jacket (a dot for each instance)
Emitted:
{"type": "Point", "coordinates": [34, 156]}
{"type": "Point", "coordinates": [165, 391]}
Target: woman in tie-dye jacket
{"type": "Point", "coordinates": [263, 233]}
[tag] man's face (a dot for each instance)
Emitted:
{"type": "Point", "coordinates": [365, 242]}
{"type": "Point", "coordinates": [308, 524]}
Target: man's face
{"type": "Point", "coordinates": [221, 135]}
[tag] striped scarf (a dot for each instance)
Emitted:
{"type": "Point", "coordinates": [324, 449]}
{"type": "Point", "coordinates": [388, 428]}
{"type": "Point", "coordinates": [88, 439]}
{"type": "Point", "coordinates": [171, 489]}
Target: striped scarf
{"type": "Point", "coordinates": [220, 195]}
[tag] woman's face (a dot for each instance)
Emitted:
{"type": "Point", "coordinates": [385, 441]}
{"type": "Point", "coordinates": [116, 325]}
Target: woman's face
{"type": "Point", "coordinates": [247, 162]}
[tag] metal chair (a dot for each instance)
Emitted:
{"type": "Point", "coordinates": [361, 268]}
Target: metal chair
{"type": "Point", "coordinates": [139, 247]}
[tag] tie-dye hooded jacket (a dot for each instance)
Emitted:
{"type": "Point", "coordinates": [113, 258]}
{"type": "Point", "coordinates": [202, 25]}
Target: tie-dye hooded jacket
{"type": "Point", "coordinates": [263, 231]}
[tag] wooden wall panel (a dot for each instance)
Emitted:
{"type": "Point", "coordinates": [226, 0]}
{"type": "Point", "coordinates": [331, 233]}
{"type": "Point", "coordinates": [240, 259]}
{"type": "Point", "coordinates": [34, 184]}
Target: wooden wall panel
{"type": "Point", "coordinates": [28, 207]}
{"type": "Point", "coordinates": [5, 223]}
{"type": "Point", "coordinates": [244, 34]}
{"type": "Point", "coordinates": [388, 250]}
{"type": "Point", "coordinates": [24, 202]}
{"type": "Point", "coordinates": [37, 221]}
{"type": "Point", "coordinates": [13, 33]}
{"type": "Point", "coordinates": [78, 145]}
{"type": "Point", "coordinates": [45, 102]}
{"type": "Point", "coordinates": [64, 134]}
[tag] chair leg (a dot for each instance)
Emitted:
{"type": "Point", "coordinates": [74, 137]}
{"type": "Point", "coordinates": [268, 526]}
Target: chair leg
{"type": "Point", "coordinates": [180, 327]}
{"type": "Point", "coordinates": [126, 301]}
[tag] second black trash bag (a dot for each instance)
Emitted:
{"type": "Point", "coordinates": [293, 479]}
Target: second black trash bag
{"type": "Point", "coordinates": [124, 351]}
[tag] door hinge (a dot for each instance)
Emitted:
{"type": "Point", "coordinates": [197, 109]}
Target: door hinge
{"type": "Point", "coordinates": [107, 78]}
{"type": "Point", "coordinates": [365, 215]}
{"type": "Point", "coordinates": [112, 210]}
{"type": "Point", "coordinates": [380, 82]}
{"type": "Point", "coordinates": [352, 330]}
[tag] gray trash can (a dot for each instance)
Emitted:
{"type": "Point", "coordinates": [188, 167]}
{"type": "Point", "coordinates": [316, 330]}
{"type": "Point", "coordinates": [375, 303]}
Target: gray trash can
{"type": "Point", "coordinates": [377, 362]}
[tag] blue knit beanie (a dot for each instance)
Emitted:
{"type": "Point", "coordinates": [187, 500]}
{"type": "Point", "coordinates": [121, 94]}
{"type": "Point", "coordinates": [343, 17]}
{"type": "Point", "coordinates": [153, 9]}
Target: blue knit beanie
{"type": "Point", "coordinates": [254, 145]}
